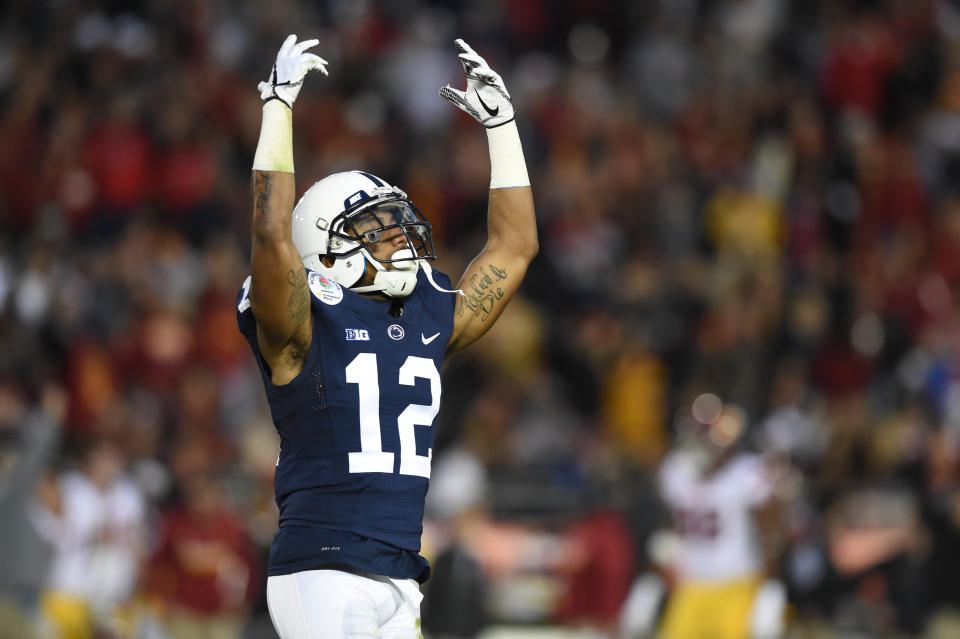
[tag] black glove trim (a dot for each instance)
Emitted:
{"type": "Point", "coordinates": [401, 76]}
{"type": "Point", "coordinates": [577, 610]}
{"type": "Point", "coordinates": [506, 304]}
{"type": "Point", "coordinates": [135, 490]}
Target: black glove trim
{"type": "Point", "coordinates": [277, 97]}
{"type": "Point", "coordinates": [493, 126]}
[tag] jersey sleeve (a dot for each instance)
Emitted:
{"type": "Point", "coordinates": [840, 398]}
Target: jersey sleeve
{"type": "Point", "coordinates": [449, 300]}
{"type": "Point", "coordinates": [669, 478]}
{"type": "Point", "coordinates": [245, 320]}
{"type": "Point", "coordinates": [442, 279]}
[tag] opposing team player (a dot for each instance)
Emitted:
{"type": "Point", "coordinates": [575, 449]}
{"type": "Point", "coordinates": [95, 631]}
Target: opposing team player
{"type": "Point", "coordinates": [726, 525]}
{"type": "Point", "coordinates": [349, 326]}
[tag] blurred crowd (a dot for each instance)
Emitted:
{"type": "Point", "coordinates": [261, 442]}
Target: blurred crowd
{"type": "Point", "coordinates": [751, 198]}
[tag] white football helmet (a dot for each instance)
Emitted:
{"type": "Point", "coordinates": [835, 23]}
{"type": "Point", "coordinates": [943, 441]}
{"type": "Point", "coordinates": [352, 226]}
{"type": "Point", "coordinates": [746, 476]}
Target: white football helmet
{"type": "Point", "coordinates": [343, 215]}
{"type": "Point", "coordinates": [711, 429]}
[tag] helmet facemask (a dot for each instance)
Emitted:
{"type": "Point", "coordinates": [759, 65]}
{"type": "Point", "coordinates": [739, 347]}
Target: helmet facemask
{"type": "Point", "coordinates": [362, 228]}
{"type": "Point", "coordinates": [365, 227]}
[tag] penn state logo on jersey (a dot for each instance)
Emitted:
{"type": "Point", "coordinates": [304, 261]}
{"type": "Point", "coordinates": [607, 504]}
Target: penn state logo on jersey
{"type": "Point", "coordinates": [395, 332]}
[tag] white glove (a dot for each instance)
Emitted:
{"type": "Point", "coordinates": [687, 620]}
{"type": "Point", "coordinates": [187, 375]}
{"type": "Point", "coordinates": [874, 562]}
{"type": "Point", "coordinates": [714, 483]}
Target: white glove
{"type": "Point", "coordinates": [769, 608]}
{"type": "Point", "coordinates": [486, 98]}
{"type": "Point", "coordinates": [292, 65]}
{"type": "Point", "coordinates": [639, 613]}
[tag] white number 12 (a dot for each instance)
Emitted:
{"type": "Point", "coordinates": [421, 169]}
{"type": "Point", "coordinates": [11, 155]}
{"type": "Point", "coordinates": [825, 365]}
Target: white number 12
{"type": "Point", "coordinates": [362, 371]}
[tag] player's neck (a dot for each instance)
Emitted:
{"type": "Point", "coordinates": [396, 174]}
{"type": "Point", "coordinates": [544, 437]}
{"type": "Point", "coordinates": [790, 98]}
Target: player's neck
{"type": "Point", "coordinates": [396, 303]}
{"type": "Point", "coordinates": [376, 295]}
{"type": "Point", "coordinates": [396, 308]}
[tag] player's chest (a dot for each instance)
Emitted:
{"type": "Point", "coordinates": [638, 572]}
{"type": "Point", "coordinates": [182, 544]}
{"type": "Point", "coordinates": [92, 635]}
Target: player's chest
{"type": "Point", "coordinates": [709, 492]}
{"type": "Point", "coordinates": [414, 332]}
{"type": "Point", "coordinates": [396, 359]}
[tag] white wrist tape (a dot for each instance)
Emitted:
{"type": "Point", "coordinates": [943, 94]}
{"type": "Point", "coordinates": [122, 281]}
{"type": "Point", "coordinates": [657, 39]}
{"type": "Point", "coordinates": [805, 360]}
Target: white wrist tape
{"type": "Point", "coordinates": [507, 166]}
{"type": "Point", "coordinates": [275, 148]}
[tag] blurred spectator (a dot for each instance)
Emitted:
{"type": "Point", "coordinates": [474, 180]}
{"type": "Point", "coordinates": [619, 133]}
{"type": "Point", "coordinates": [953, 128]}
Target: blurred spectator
{"type": "Point", "coordinates": [598, 573]}
{"type": "Point", "coordinates": [876, 545]}
{"type": "Point", "coordinates": [95, 518]}
{"type": "Point", "coordinates": [633, 402]}
{"type": "Point", "coordinates": [456, 603]}
{"type": "Point", "coordinates": [28, 440]}
{"type": "Point", "coordinates": [204, 570]}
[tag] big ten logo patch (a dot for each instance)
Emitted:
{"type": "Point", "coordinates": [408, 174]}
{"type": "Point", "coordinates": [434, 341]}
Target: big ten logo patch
{"type": "Point", "coordinates": [357, 335]}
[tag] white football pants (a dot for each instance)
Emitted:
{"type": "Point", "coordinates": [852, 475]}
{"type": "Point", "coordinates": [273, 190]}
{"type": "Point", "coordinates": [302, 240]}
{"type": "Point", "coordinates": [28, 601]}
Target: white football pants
{"type": "Point", "coordinates": [332, 604]}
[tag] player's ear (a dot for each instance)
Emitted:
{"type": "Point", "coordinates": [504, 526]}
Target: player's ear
{"type": "Point", "coordinates": [327, 261]}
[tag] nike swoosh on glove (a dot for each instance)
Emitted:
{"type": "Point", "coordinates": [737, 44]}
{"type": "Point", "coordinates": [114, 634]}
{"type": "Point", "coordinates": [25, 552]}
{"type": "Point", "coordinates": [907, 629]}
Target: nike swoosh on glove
{"type": "Point", "coordinates": [486, 97]}
{"type": "Point", "coordinates": [292, 65]}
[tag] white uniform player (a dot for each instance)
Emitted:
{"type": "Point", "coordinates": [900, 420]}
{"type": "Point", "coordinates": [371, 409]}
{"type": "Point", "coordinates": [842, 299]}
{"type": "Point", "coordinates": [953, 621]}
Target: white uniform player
{"type": "Point", "coordinates": [713, 515]}
{"type": "Point", "coordinates": [96, 536]}
{"type": "Point", "coordinates": [718, 499]}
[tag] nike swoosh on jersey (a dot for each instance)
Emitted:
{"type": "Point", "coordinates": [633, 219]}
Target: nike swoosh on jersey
{"type": "Point", "coordinates": [427, 340]}
{"type": "Point", "coordinates": [485, 107]}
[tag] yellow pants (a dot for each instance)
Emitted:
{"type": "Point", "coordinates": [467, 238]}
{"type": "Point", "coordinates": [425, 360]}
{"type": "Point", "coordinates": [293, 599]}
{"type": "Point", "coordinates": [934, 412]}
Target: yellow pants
{"type": "Point", "coordinates": [69, 615]}
{"type": "Point", "coordinates": [710, 610]}
{"type": "Point", "coordinates": [190, 628]}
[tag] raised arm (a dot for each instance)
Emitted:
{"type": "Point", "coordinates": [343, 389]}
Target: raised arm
{"type": "Point", "coordinates": [279, 297]}
{"type": "Point", "coordinates": [494, 275]}
{"type": "Point", "coordinates": [769, 605]}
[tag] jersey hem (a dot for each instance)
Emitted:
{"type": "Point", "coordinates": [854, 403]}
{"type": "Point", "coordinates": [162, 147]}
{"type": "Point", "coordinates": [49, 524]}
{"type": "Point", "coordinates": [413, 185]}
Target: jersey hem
{"type": "Point", "coordinates": [354, 567]}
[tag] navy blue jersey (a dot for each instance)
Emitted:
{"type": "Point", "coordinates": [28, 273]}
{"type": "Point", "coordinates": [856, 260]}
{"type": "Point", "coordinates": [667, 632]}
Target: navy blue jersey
{"type": "Point", "coordinates": [356, 429]}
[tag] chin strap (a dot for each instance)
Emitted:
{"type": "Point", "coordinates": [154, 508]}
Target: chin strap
{"type": "Point", "coordinates": [391, 283]}
{"type": "Point", "coordinates": [399, 282]}
{"type": "Point", "coordinates": [429, 271]}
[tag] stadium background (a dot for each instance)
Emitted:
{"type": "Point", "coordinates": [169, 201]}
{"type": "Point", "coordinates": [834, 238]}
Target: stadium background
{"type": "Point", "coordinates": [755, 198]}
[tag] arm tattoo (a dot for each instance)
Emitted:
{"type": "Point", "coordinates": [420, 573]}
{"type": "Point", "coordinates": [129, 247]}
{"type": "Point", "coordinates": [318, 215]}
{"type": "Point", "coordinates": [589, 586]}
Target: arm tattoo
{"type": "Point", "coordinates": [482, 292]}
{"type": "Point", "coordinates": [298, 304]}
{"type": "Point", "coordinates": [262, 187]}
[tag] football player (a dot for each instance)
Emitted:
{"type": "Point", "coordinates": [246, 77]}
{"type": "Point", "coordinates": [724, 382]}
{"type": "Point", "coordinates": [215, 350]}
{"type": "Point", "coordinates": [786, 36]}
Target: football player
{"type": "Point", "coordinates": [349, 326]}
{"type": "Point", "coordinates": [725, 540]}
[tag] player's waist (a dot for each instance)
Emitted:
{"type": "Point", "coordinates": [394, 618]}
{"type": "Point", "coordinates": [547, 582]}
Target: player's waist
{"type": "Point", "coordinates": [298, 548]}
{"type": "Point", "coordinates": [363, 512]}
{"type": "Point", "coordinates": [745, 569]}
{"type": "Point", "coordinates": [714, 586]}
